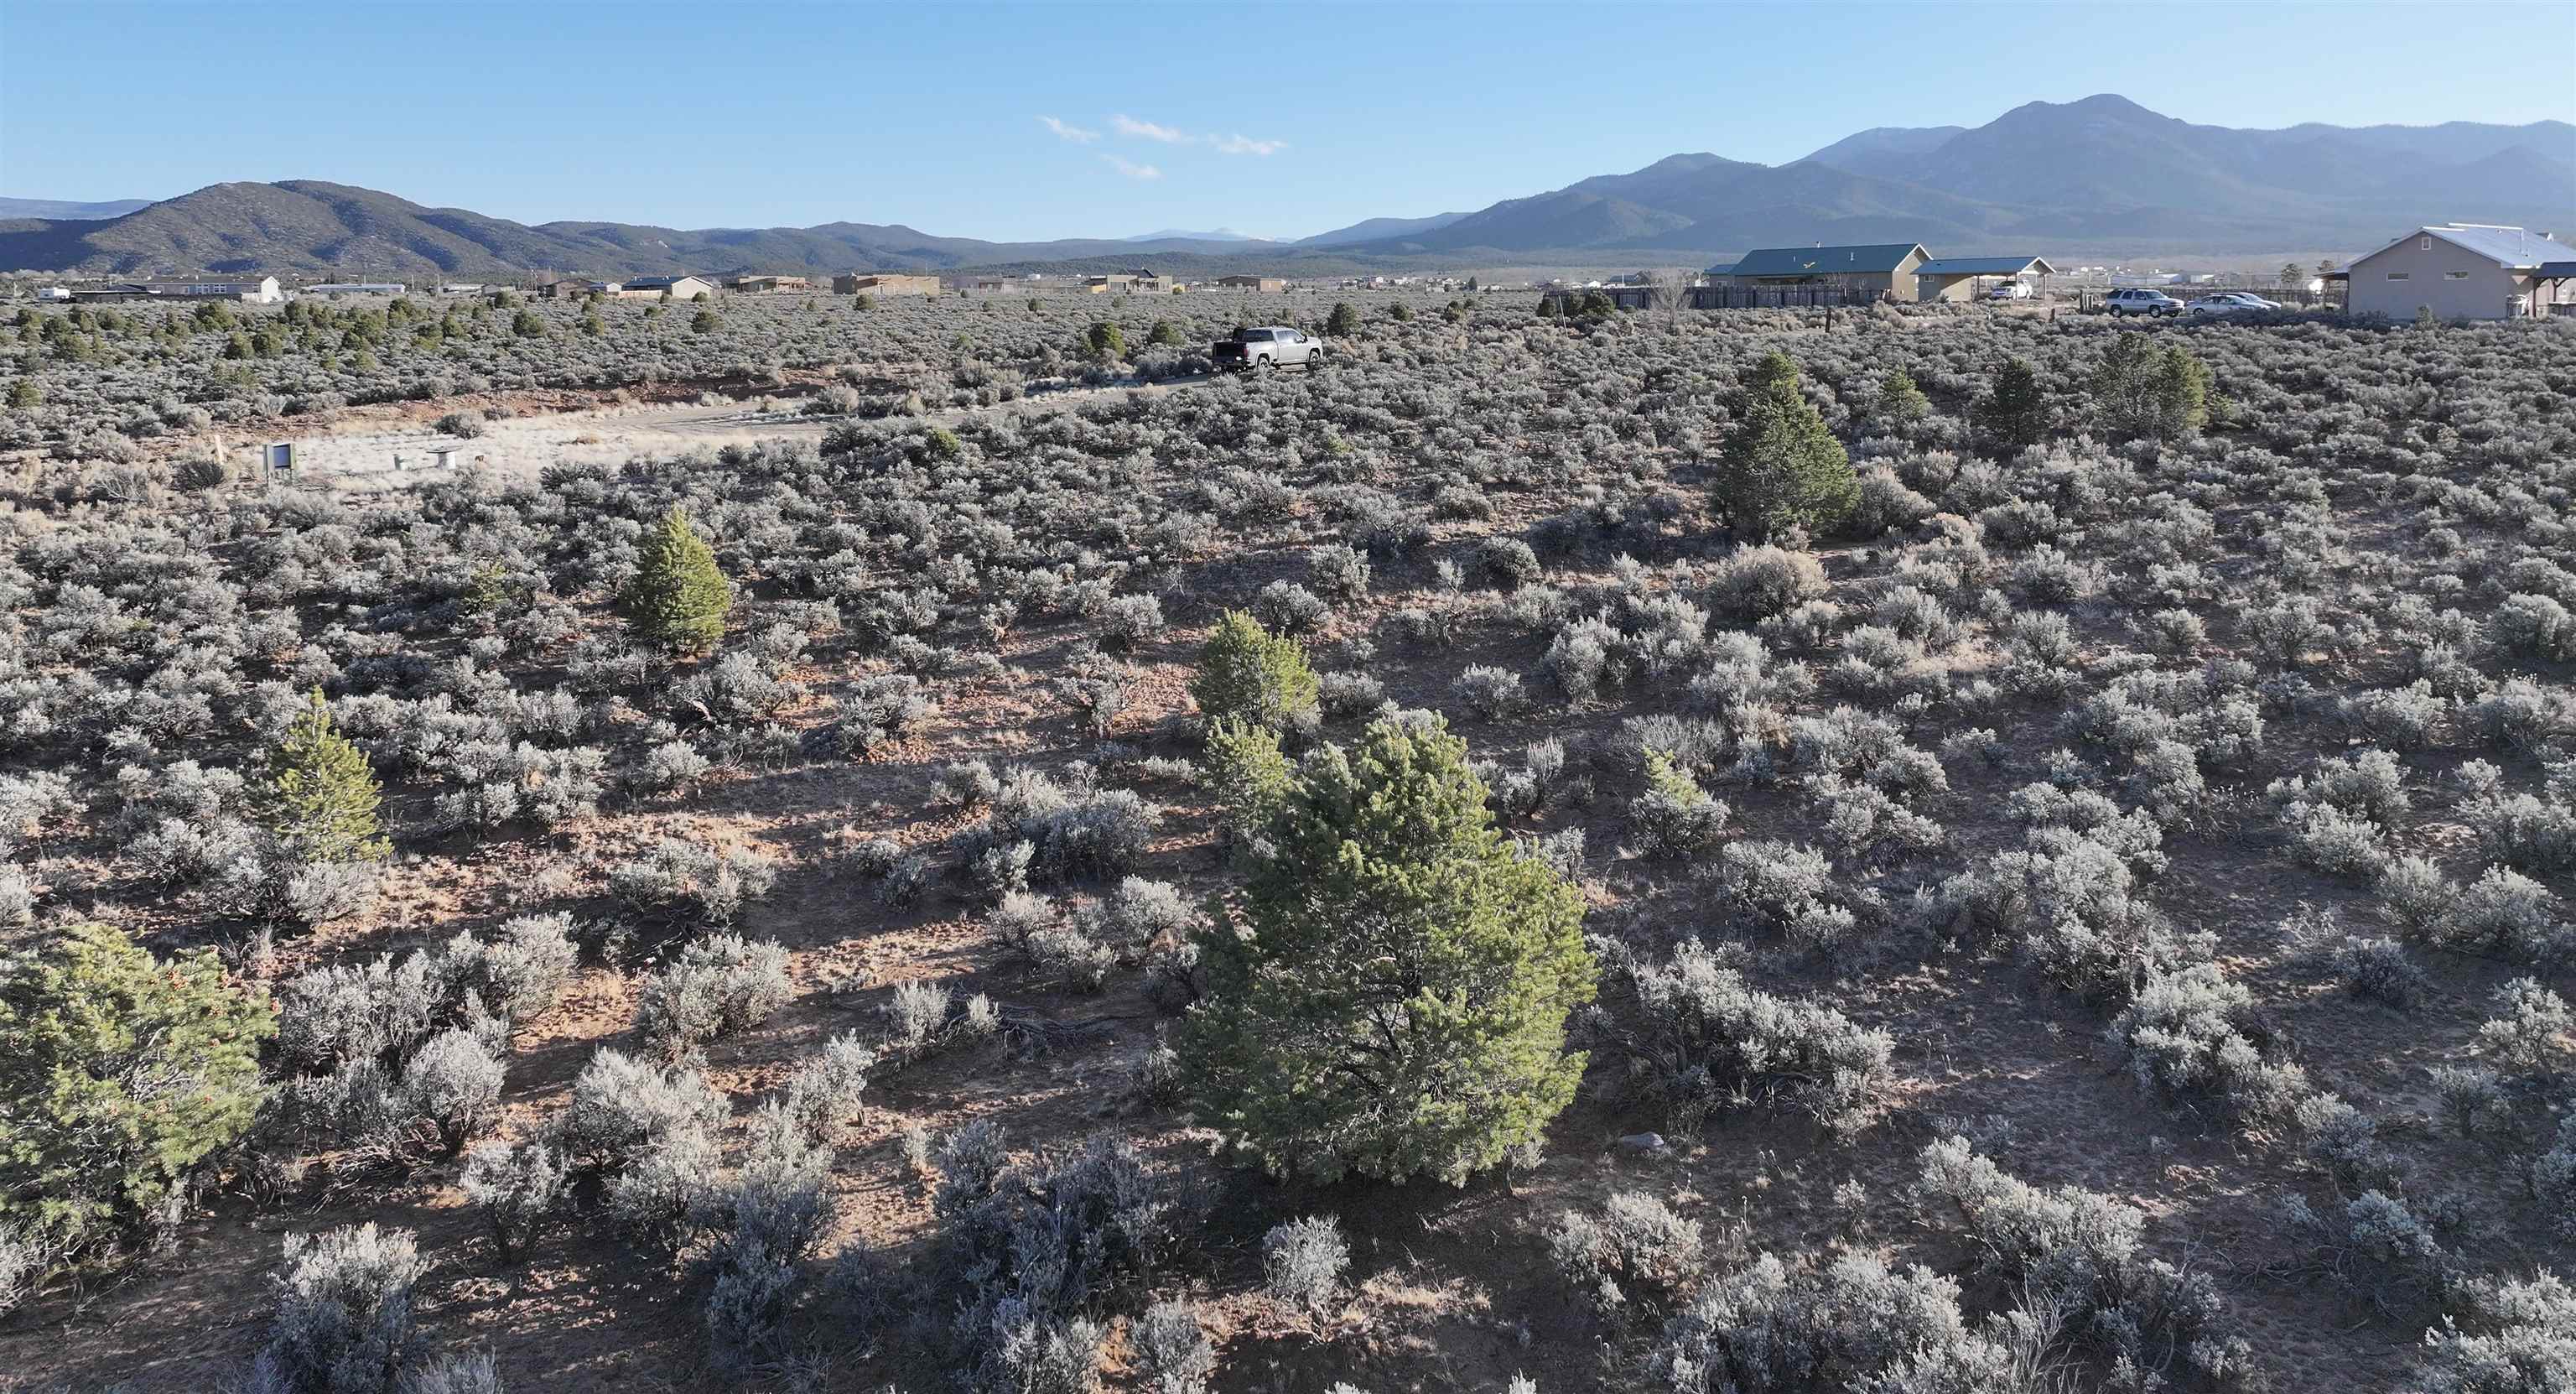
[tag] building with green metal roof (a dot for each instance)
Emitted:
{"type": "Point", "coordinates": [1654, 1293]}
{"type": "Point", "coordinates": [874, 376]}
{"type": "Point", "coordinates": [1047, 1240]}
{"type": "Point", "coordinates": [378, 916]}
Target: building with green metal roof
{"type": "Point", "coordinates": [1884, 270]}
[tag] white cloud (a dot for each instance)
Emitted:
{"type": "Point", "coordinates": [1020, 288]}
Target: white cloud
{"type": "Point", "coordinates": [1246, 145]}
{"type": "Point", "coordinates": [1130, 126]}
{"type": "Point", "coordinates": [1131, 169]}
{"type": "Point", "coordinates": [1075, 134]}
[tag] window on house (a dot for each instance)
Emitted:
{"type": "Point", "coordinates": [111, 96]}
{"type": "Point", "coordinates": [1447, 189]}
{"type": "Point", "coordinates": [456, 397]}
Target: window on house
{"type": "Point", "coordinates": [2455, 275]}
{"type": "Point", "coordinates": [2397, 275]}
{"type": "Point", "coordinates": [2424, 244]}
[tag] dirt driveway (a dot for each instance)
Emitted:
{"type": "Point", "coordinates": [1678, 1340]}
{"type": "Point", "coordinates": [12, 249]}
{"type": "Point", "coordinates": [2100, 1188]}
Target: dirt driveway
{"type": "Point", "coordinates": [368, 461]}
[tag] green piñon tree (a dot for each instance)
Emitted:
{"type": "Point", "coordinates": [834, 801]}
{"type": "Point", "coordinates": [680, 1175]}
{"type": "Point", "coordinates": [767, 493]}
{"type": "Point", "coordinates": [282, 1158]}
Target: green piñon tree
{"type": "Point", "coordinates": [1245, 772]}
{"type": "Point", "coordinates": [1248, 674]}
{"type": "Point", "coordinates": [121, 1073]}
{"type": "Point", "coordinates": [1343, 320]}
{"type": "Point", "coordinates": [679, 597]}
{"type": "Point", "coordinates": [1393, 1003]}
{"type": "Point", "coordinates": [2142, 389]}
{"type": "Point", "coordinates": [1899, 400]}
{"type": "Point", "coordinates": [2012, 413]}
{"type": "Point", "coordinates": [1781, 467]}
{"type": "Point", "coordinates": [321, 799]}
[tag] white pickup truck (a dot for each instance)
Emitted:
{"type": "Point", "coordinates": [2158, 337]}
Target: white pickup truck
{"type": "Point", "coordinates": [1265, 347]}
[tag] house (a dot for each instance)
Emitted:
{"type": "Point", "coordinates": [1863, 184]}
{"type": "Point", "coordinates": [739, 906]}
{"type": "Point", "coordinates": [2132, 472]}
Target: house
{"type": "Point", "coordinates": [870, 284]}
{"type": "Point", "coordinates": [1264, 284]}
{"type": "Point", "coordinates": [1964, 278]}
{"type": "Point", "coordinates": [461, 288]}
{"type": "Point", "coordinates": [768, 285]}
{"type": "Point", "coordinates": [254, 290]}
{"type": "Point", "coordinates": [991, 283]}
{"type": "Point", "coordinates": [356, 288]}
{"type": "Point", "coordinates": [2464, 271]}
{"type": "Point", "coordinates": [655, 287]}
{"type": "Point", "coordinates": [572, 288]}
{"type": "Point", "coordinates": [1880, 271]}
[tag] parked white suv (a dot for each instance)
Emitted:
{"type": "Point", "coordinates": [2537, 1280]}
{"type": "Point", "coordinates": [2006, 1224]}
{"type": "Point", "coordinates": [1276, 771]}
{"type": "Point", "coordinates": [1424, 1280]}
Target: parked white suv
{"type": "Point", "coordinates": [2141, 301]}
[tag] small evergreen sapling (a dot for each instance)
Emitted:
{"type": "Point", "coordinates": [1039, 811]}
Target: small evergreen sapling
{"type": "Point", "coordinates": [2013, 414]}
{"type": "Point", "coordinates": [1248, 674]}
{"type": "Point", "coordinates": [322, 796]}
{"type": "Point", "coordinates": [1781, 467]}
{"type": "Point", "coordinates": [679, 598]}
{"type": "Point", "coordinates": [1398, 1004]}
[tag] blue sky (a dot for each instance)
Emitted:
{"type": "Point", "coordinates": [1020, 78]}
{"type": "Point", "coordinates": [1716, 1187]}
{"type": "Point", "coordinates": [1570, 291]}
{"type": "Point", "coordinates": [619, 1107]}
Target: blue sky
{"type": "Point", "coordinates": [1052, 120]}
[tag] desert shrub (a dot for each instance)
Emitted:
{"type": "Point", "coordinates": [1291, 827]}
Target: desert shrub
{"type": "Point", "coordinates": [2553, 1177]}
{"type": "Point", "coordinates": [344, 1320]}
{"type": "Point", "coordinates": [1884, 505]}
{"type": "Point", "coordinates": [1033, 1246]}
{"type": "Point", "coordinates": [1337, 573]}
{"type": "Point", "coordinates": [1760, 582]}
{"type": "Point", "coordinates": [454, 1082]}
{"type": "Point", "coordinates": [877, 711]}
{"type": "Point", "coordinates": [1771, 1328]}
{"type": "Point", "coordinates": [2515, 1336]}
{"type": "Point", "coordinates": [1490, 693]}
{"type": "Point", "coordinates": [2369, 784]}
{"type": "Point", "coordinates": [2195, 1034]}
{"type": "Point", "coordinates": [2377, 969]}
{"type": "Point", "coordinates": [688, 887]}
{"type": "Point", "coordinates": [1172, 1351]}
{"type": "Point", "coordinates": [1780, 467]}
{"type": "Point", "coordinates": [1390, 846]}
{"type": "Point", "coordinates": [521, 970]}
{"type": "Point", "coordinates": [718, 986]}
{"type": "Point", "coordinates": [1130, 620]}
{"type": "Point", "coordinates": [827, 1089]}
{"type": "Point", "coordinates": [2524, 831]}
{"type": "Point", "coordinates": [2533, 1032]}
{"type": "Point", "coordinates": [1247, 674]}
{"type": "Point", "coordinates": [679, 598]}
{"type": "Point", "coordinates": [1632, 1253]}
{"type": "Point", "coordinates": [1695, 1036]}
{"type": "Point", "coordinates": [2533, 626]}
{"type": "Point", "coordinates": [1071, 832]}
{"type": "Point", "coordinates": [455, 1374]}
{"type": "Point", "coordinates": [1349, 694]}
{"type": "Point", "coordinates": [1289, 608]}
{"type": "Point", "coordinates": [519, 1187]}
{"type": "Point", "coordinates": [1675, 817]}
{"type": "Point", "coordinates": [2079, 1255]}
{"type": "Point", "coordinates": [1302, 1262]}
{"type": "Point", "coordinates": [123, 1073]}
{"type": "Point", "coordinates": [1507, 564]}
{"type": "Point", "coordinates": [623, 1109]}
{"type": "Point", "coordinates": [966, 784]}
{"type": "Point", "coordinates": [2506, 914]}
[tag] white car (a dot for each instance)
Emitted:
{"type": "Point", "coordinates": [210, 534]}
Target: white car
{"type": "Point", "coordinates": [2137, 300]}
{"type": "Point", "coordinates": [2230, 302]}
{"type": "Point", "coordinates": [2010, 290]}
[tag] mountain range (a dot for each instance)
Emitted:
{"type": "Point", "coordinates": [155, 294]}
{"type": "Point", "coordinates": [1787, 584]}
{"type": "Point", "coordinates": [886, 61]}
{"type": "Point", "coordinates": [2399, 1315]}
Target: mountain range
{"type": "Point", "coordinates": [2100, 176]}
{"type": "Point", "coordinates": [70, 210]}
